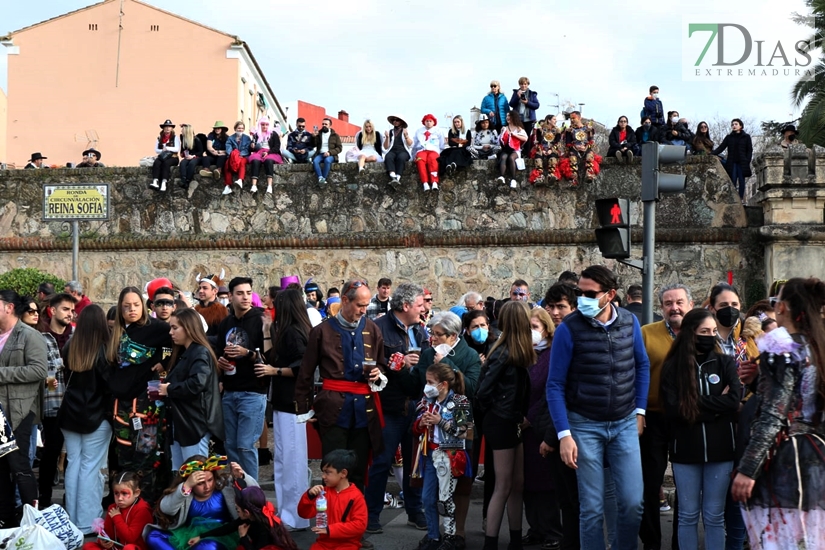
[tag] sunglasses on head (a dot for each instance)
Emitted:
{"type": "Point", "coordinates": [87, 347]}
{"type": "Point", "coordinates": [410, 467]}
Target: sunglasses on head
{"type": "Point", "coordinates": [352, 285]}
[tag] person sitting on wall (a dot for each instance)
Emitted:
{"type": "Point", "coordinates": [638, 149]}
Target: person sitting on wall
{"type": "Point", "coordinates": [191, 151]}
{"type": "Point", "coordinates": [367, 146]}
{"type": "Point", "coordinates": [547, 148]}
{"type": "Point", "coordinates": [429, 141]}
{"type": "Point", "coordinates": [238, 147]}
{"type": "Point", "coordinates": [644, 133]}
{"type": "Point", "coordinates": [167, 148]}
{"type": "Point", "coordinates": [35, 162]}
{"type": "Point", "coordinates": [622, 141]}
{"type": "Point", "coordinates": [328, 147]}
{"type": "Point", "coordinates": [579, 139]}
{"type": "Point", "coordinates": [300, 146]}
{"type": "Point", "coordinates": [215, 150]}
{"type": "Point", "coordinates": [91, 159]}
{"type": "Point", "coordinates": [266, 145]}
{"type": "Point", "coordinates": [485, 140]}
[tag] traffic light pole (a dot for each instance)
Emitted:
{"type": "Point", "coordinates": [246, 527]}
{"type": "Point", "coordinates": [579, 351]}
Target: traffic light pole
{"type": "Point", "coordinates": [648, 263]}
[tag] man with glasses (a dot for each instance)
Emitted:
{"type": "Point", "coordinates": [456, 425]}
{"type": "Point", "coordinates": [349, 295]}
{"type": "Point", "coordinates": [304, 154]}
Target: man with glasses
{"type": "Point", "coordinates": [348, 350]}
{"type": "Point", "coordinates": [428, 309]}
{"type": "Point", "coordinates": [676, 301]}
{"type": "Point", "coordinates": [23, 371]}
{"type": "Point", "coordinates": [163, 303]}
{"type": "Point", "coordinates": [299, 144]}
{"type": "Point", "coordinates": [91, 159]}
{"type": "Point", "coordinates": [597, 394]}
{"type": "Point", "coordinates": [402, 334]}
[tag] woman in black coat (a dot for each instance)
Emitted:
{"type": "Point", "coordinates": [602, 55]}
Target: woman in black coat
{"type": "Point", "coordinates": [622, 141]}
{"type": "Point", "coordinates": [740, 152]}
{"type": "Point", "coordinates": [457, 154]}
{"type": "Point", "coordinates": [289, 335]}
{"type": "Point", "coordinates": [191, 389]}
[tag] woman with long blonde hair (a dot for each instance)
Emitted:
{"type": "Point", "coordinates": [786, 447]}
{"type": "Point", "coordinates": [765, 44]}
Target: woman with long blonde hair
{"type": "Point", "coordinates": [191, 151]}
{"type": "Point", "coordinates": [367, 146]}
{"type": "Point", "coordinates": [503, 394]}
{"type": "Point", "coordinates": [457, 154]}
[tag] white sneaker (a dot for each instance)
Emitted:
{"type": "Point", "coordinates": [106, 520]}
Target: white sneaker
{"type": "Point", "coordinates": [426, 187]}
{"type": "Point", "coordinates": [500, 179]}
{"type": "Point", "coordinates": [513, 184]}
{"type": "Point", "coordinates": [163, 185]}
{"type": "Point", "coordinates": [253, 189]}
{"type": "Point", "coordinates": [435, 186]}
{"type": "Point", "coordinates": [397, 179]}
{"type": "Point", "coordinates": [269, 189]}
{"type": "Point", "coordinates": [240, 183]}
{"type": "Point", "coordinates": [154, 184]}
{"type": "Point", "coordinates": [392, 175]}
{"type": "Point", "coordinates": [227, 190]}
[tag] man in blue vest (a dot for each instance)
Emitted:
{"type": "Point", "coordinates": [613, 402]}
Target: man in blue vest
{"type": "Point", "coordinates": [597, 393]}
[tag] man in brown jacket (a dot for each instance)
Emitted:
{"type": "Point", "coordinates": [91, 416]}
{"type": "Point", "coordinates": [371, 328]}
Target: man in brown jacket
{"type": "Point", "coordinates": [327, 148]}
{"type": "Point", "coordinates": [347, 408]}
{"type": "Point", "coordinates": [22, 375]}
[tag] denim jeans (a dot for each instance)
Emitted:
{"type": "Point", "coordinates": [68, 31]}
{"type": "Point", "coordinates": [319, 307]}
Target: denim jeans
{"type": "Point", "coordinates": [86, 454]}
{"type": "Point", "coordinates": [243, 419]}
{"type": "Point", "coordinates": [303, 159]}
{"type": "Point", "coordinates": [429, 495]}
{"type": "Point", "coordinates": [181, 452]}
{"type": "Point", "coordinates": [322, 171]}
{"type": "Point", "coordinates": [396, 430]}
{"type": "Point", "coordinates": [702, 487]}
{"type": "Point", "coordinates": [734, 524]}
{"type": "Point", "coordinates": [611, 510]}
{"type": "Point", "coordinates": [616, 441]}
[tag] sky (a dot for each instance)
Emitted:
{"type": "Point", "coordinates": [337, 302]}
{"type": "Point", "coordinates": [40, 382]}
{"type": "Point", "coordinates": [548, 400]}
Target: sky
{"type": "Point", "coordinates": [372, 58]}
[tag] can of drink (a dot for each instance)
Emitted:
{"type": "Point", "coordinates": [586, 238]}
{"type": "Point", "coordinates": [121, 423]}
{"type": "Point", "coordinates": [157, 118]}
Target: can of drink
{"type": "Point", "coordinates": [396, 361]}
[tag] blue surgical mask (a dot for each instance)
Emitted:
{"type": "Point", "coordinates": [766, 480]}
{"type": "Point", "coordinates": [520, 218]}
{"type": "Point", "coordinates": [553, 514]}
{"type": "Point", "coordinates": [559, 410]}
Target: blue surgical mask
{"type": "Point", "coordinates": [479, 335]}
{"type": "Point", "coordinates": [589, 306]}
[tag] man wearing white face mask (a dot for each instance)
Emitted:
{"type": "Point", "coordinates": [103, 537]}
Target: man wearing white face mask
{"type": "Point", "coordinates": [597, 394]}
{"type": "Point", "coordinates": [653, 108]}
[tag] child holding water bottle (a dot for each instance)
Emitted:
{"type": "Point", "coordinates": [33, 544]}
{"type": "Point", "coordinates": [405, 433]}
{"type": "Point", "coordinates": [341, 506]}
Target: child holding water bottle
{"type": "Point", "coordinates": [346, 509]}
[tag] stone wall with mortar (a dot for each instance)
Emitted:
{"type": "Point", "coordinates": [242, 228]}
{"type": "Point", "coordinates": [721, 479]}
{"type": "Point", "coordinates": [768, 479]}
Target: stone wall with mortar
{"type": "Point", "coordinates": [471, 235]}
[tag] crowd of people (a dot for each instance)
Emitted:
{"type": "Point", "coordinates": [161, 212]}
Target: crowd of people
{"type": "Point", "coordinates": [578, 408]}
{"type": "Point", "coordinates": [507, 131]}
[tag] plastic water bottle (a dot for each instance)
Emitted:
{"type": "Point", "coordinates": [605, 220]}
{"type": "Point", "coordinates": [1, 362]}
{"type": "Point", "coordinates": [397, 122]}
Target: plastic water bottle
{"type": "Point", "coordinates": [321, 510]}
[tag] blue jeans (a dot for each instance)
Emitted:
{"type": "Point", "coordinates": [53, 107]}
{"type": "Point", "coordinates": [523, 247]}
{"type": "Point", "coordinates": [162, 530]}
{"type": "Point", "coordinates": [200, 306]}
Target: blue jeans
{"type": "Point", "coordinates": [429, 495]}
{"type": "Point", "coordinates": [243, 419]}
{"type": "Point", "coordinates": [611, 511]}
{"type": "Point", "coordinates": [618, 442]}
{"type": "Point", "coordinates": [734, 524]}
{"type": "Point", "coordinates": [181, 452]}
{"type": "Point", "coordinates": [322, 171]}
{"type": "Point", "coordinates": [396, 430]}
{"type": "Point", "coordinates": [86, 454]}
{"type": "Point", "coordinates": [702, 487]}
{"type": "Point", "coordinates": [306, 157]}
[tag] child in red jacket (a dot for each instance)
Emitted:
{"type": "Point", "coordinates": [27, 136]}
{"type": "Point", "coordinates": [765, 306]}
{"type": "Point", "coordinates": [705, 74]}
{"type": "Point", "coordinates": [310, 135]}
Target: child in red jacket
{"type": "Point", "coordinates": [126, 518]}
{"type": "Point", "coordinates": [346, 507]}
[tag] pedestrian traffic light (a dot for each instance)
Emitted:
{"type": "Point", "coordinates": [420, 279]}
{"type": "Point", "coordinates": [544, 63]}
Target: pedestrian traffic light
{"type": "Point", "coordinates": [613, 235]}
{"type": "Point", "coordinates": [654, 182]}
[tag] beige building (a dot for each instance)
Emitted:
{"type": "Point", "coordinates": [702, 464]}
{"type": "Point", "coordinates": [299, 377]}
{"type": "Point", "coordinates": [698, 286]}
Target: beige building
{"type": "Point", "coordinates": [107, 75]}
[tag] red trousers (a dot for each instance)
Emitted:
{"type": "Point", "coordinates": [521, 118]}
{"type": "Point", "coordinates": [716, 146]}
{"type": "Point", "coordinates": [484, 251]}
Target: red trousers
{"type": "Point", "coordinates": [427, 164]}
{"type": "Point", "coordinates": [93, 545]}
{"type": "Point", "coordinates": [227, 172]}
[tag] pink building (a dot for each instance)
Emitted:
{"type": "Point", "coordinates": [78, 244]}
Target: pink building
{"type": "Point", "coordinates": [105, 77]}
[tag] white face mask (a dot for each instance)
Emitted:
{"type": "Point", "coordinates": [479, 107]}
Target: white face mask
{"type": "Point", "coordinates": [674, 120]}
{"type": "Point", "coordinates": [430, 391]}
{"type": "Point", "coordinates": [224, 301]}
{"type": "Point", "coordinates": [655, 95]}
{"type": "Point", "coordinates": [536, 337]}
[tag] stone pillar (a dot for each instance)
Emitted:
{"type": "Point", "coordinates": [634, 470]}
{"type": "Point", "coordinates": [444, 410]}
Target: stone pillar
{"type": "Point", "coordinates": [791, 190]}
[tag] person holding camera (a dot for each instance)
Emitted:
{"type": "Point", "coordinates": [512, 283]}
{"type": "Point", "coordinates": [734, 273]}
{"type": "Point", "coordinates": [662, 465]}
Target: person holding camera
{"type": "Point", "coordinates": [525, 101]}
{"type": "Point", "coordinates": [622, 141]}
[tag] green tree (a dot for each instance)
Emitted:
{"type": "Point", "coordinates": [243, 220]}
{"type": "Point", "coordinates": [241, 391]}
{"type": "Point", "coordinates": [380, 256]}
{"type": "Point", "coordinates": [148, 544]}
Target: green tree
{"type": "Point", "coordinates": [25, 281]}
{"type": "Point", "coordinates": [811, 92]}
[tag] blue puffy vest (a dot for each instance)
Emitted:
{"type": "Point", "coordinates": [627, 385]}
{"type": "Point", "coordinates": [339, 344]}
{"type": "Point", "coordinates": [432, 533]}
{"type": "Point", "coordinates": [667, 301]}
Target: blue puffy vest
{"type": "Point", "coordinates": [602, 375]}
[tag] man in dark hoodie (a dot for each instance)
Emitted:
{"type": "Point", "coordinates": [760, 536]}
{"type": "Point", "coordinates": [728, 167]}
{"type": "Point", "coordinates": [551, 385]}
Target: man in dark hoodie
{"type": "Point", "coordinates": [240, 334]}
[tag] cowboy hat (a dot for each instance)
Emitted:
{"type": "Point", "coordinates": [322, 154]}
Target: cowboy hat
{"type": "Point", "coordinates": [790, 128]}
{"type": "Point", "coordinates": [401, 120]}
{"type": "Point", "coordinates": [94, 152]}
{"type": "Point", "coordinates": [220, 124]}
{"type": "Point", "coordinates": [166, 123]}
{"type": "Point", "coordinates": [37, 156]}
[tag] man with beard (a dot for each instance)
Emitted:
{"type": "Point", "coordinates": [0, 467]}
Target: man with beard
{"type": "Point", "coordinates": [328, 147]}
{"type": "Point", "coordinates": [676, 301]}
{"type": "Point", "coordinates": [208, 305]}
{"type": "Point", "coordinates": [56, 335]}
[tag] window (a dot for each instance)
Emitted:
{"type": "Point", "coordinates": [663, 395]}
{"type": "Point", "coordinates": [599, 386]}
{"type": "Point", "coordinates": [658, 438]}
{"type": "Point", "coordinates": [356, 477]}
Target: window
{"type": "Point", "coordinates": [154, 28]}
{"type": "Point", "coordinates": [92, 26]}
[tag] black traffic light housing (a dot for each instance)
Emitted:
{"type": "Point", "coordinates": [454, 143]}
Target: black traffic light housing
{"type": "Point", "coordinates": [613, 235]}
{"type": "Point", "coordinates": [655, 182]}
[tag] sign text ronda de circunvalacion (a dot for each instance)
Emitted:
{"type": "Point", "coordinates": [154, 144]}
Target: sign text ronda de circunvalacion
{"type": "Point", "coordinates": [76, 202]}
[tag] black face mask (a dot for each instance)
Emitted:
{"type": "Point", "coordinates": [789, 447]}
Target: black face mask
{"type": "Point", "coordinates": [705, 343]}
{"type": "Point", "coordinates": [791, 137]}
{"type": "Point", "coordinates": [727, 316]}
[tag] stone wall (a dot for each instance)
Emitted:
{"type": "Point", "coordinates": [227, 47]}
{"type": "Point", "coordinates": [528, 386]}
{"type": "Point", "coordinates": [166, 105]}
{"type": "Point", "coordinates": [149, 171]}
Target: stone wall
{"type": "Point", "coordinates": [471, 235]}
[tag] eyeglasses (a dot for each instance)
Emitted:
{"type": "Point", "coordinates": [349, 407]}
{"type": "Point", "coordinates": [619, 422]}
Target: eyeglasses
{"type": "Point", "coordinates": [32, 312]}
{"type": "Point", "coordinates": [493, 86]}
{"type": "Point", "coordinates": [439, 334]}
{"type": "Point", "coordinates": [164, 303]}
{"type": "Point", "coordinates": [428, 299]}
{"type": "Point", "coordinates": [589, 293]}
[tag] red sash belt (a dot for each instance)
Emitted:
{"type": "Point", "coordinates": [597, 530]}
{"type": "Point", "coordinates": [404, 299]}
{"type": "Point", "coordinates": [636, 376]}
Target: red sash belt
{"type": "Point", "coordinates": [358, 388]}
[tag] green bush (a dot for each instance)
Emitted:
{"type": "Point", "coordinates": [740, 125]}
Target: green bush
{"type": "Point", "coordinates": [25, 281]}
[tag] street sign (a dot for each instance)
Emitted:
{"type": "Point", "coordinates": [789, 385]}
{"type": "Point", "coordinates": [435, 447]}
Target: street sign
{"type": "Point", "coordinates": [69, 202]}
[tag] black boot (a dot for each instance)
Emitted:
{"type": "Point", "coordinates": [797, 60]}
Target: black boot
{"type": "Point", "coordinates": [490, 543]}
{"type": "Point", "coordinates": [515, 540]}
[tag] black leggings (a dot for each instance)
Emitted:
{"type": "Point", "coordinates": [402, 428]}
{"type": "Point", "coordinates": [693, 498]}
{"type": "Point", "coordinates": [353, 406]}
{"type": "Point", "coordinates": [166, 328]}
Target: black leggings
{"type": "Point", "coordinates": [269, 168]}
{"type": "Point", "coordinates": [162, 169]}
{"type": "Point", "coordinates": [395, 161]}
{"type": "Point", "coordinates": [187, 169]}
{"type": "Point", "coordinates": [507, 159]}
{"type": "Point", "coordinates": [16, 470]}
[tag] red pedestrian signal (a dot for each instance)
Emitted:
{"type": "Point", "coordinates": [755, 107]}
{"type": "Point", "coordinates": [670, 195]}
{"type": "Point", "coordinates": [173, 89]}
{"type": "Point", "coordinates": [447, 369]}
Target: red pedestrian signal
{"type": "Point", "coordinates": [613, 234]}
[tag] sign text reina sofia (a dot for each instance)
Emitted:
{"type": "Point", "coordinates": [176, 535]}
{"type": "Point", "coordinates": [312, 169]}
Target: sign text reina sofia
{"type": "Point", "coordinates": [86, 201]}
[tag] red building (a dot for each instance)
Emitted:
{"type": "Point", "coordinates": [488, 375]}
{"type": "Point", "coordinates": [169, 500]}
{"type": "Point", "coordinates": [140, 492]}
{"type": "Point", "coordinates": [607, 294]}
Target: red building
{"type": "Point", "coordinates": [314, 114]}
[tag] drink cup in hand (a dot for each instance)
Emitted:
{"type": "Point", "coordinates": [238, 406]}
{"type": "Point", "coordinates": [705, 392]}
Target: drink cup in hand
{"type": "Point", "coordinates": [153, 387]}
{"type": "Point", "coordinates": [369, 364]}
